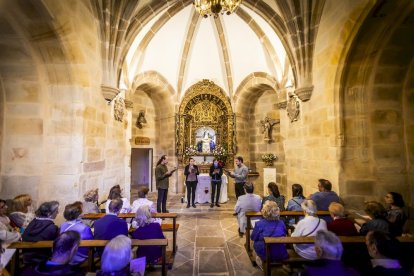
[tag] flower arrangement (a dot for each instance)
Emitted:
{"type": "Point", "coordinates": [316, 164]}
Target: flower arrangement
{"type": "Point", "coordinates": [268, 158]}
{"type": "Point", "coordinates": [220, 153]}
{"type": "Point", "coordinates": [191, 150]}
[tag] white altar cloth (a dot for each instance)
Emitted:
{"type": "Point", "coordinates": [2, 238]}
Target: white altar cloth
{"type": "Point", "coordinates": [203, 191]}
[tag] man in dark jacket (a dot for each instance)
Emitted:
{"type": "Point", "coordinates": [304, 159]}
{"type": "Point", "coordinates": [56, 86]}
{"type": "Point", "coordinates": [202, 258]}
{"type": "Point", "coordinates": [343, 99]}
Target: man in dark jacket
{"type": "Point", "coordinates": [110, 226]}
{"type": "Point", "coordinates": [42, 228]}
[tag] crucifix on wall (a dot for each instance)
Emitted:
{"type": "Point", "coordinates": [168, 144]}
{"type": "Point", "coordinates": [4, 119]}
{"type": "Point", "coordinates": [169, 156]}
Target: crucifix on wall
{"type": "Point", "coordinates": [267, 126]}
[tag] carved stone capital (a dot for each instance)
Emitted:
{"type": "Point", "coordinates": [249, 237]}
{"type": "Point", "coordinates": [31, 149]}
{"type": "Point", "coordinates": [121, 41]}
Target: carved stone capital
{"type": "Point", "coordinates": [282, 105]}
{"type": "Point", "coordinates": [109, 92]}
{"type": "Point", "coordinates": [129, 104]}
{"type": "Point", "coordinates": [304, 93]}
{"type": "Point", "coordinates": [281, 98]}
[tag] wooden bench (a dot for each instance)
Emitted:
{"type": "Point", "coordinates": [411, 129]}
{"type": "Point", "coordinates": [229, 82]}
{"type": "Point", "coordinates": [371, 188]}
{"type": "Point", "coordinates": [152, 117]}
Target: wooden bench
{"type": "Point", "coordinates": [305, 240]}
{"type": "Point", "coordinates": [283, 214]}
{"type": "Point", "coordinates": [170, 228]}
{"type": "Point", "coordinates": [84, 243]}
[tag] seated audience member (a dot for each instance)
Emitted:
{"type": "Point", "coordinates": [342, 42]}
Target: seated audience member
{"type": "Point", "coordinates": [21, 212]}
{"type": "Point", "coordinates": [294, 204]}
{"type": "Point", "coordinates": [325, 196]}
{"type": "Point", "coordinates": [41, 228]}
{"type": "Point", "coordinates": [269, 226]}
{"type": "Point", "coordinates": [384, 251]}
{"type": "Point", "coordinates": [116, 192]}
{"type": "Point", "coordinates": [274, 195]}
{"type": "Point", "coordinates": [90, 205]}
{"type": "Point", "coordinates": [147, 229]}
{"type": "Point", "coordinates": [329, 250]}
{"type": "Point", "coordinates": [110, 226]}
{"type": "Point", "coordinates": [308, 227]}
{"type": "Point", "coordinates": [246, 203]}
{"type": "Point", "coordinates": [74, 223]}
{"type": "Point", "coordinates": [64, 248]}
{"type": "Point", "coordinates": [4, 219]}
{"type": "Point", "coordinates": [340, 225]}
{"type": "Point", "coordinates": [116, 257]}
{"type": "Point", "coordinates": [395, 214]}
{"type": "Point", "coordinates": [378, 220]}
{"type": "Point", "coordinates": [142, 200]}
{"type": "Point", "coordinates": [7, 235]}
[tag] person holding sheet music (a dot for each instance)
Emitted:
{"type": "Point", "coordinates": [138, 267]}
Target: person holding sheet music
{"type": "Point", "coordinates": [191, 171]}
{"type": "Point", "coordinates": [240, 176]}
{"type": "Point", "coordinates": [216, 172]}
{"type": "Point", "coordinates": [162, 183]}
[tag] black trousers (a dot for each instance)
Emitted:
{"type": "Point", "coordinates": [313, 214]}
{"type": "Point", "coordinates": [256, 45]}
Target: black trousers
{"type": "Point", "coordinates": [162, 200]}
{"type": "Point", "coordinates": [191, 190]}
{"type": "Point", "coordinates": [239, 189]}
{"type": "Point", "coordinates": [215, 186]}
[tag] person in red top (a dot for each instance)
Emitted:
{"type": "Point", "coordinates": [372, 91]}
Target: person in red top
{"type": "Point", "coordinates": [340, 225]}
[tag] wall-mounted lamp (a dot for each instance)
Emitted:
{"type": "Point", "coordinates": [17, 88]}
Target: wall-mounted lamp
{"type": "Point", "coordinates": [141, 121]}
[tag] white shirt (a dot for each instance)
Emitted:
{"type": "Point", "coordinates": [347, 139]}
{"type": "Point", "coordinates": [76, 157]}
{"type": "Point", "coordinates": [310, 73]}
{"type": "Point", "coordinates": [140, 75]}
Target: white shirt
{"type": "Point", "coordinates": [126, 206]}
{"type": "Point", "coordinates": [246, 203]}
{"type": "Point", "coordinates": [141, 202]}
{"type": "Point", "coordinates": [308, 227]}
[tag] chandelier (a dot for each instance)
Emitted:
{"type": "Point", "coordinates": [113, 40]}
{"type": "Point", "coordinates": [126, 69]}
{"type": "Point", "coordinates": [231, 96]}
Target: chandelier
{"type": "Point", "coordinates": [215, 7]}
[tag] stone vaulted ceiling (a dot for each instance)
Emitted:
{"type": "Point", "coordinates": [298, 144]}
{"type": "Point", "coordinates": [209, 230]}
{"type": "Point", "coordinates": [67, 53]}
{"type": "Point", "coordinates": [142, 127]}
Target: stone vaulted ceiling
{"type": "Point", "coordinates": [171, 39]}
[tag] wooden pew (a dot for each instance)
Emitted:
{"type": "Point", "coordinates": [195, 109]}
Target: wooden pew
{"type": "Point", "coordinates": [85, 243]}
{"type": "Point", "coordinates": [304, 240]}
{"type": "Point", "coordinates": [283, 214]}
{"type": "Point", "coordinates": [167, 227]}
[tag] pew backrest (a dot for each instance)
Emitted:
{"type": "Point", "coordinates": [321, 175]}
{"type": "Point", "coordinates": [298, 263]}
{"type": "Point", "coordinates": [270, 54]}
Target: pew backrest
{"type": "Point", "coordinates": [130, 215]}
{"type": "Point", "coordinates": [91, 244]}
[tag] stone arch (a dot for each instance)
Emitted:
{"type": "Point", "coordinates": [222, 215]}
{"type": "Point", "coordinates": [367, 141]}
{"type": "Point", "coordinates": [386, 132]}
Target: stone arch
{"type": "Point", "coordinates": [50, 84]}
{"type": "Point", "coordinates": [152, 87]}
{"type": "Point", "coordinates": [158, 88]}
{"type": "Point", "coordinates": [257, 98]}
{"type": "Point", "coordinates": [245, 92]}
{"type": "Point", "coordinates": [375, 90]}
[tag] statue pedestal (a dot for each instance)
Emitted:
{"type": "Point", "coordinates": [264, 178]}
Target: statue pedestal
{"type": "Point", "coordinates": [269, 175]}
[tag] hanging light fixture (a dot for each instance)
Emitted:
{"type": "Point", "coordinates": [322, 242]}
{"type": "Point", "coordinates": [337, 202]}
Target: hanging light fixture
{"type": "Point", "coordinates": [214, 7]}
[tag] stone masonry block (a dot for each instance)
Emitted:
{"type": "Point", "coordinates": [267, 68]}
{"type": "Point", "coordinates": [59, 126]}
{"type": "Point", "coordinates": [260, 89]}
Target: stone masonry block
{"type": "Point", "coordinates": [94, 166]}
{"type": "Point", "coordinates": [386, 117]}
{"type": "Point", "coordinates": [24, 126]}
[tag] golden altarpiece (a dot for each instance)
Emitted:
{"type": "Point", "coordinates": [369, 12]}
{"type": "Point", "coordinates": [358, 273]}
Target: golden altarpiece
{"type": "Point", "coordinates": [204, 125]}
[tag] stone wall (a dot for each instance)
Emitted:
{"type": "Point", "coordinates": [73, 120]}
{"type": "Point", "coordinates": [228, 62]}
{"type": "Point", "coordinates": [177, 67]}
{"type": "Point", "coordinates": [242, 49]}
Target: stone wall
{"type": "Point", "coordinates": [313, 143]}
{"type": "Point", "coordinates": [377, 156]}
{"type": "Point", "coordinates": [265, 107]}
{"type": "Point", "coordinates": [58, 130]}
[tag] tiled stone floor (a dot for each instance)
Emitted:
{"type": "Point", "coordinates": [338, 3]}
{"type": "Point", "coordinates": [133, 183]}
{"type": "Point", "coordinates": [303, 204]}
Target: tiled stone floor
{"type": "Point", "coordinates": [208, 241]}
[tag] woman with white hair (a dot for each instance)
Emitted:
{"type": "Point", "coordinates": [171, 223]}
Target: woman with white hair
{"type": "Point", "coordinates": [269, 226]}
{"type": "Point", "coordinates": [116, 257]}
{"type": "Point", "coordinates": [147, 229]}
{"type": "Point", "coordinates": [308, 227]}
{"type": "Point", "coordinates": [329, 249]}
